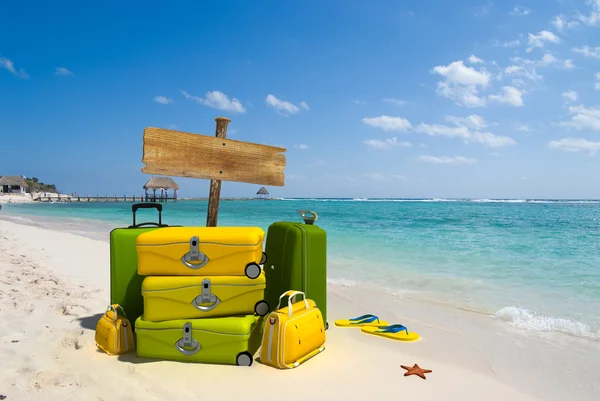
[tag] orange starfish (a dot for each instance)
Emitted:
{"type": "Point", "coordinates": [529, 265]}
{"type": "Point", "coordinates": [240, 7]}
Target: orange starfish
{"type": "Point", "coordinates": [415, 370]}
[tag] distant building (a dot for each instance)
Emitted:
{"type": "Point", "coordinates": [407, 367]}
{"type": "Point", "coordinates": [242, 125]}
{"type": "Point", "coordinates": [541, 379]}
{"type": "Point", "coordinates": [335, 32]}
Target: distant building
{"type": "Point", "coordinates": [12, 184]}
{"type": "Point", "coordinates": [262, 193]}
{"type": "Point", "coordinates": [163, 185]}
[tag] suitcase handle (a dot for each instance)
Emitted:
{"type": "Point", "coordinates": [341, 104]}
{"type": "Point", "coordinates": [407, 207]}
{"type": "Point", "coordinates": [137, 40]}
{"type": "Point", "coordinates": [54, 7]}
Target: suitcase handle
{"type": "Point", "coordinates": [292, 294]}
{"type": "Point", "coordinates": [147, 205]}
{"type": "Point", "coordinates": [308, 219]}
{"type": "Point", "coordinates": [187, 352]}
{"type": "Point", "coordinates": [114, 308]}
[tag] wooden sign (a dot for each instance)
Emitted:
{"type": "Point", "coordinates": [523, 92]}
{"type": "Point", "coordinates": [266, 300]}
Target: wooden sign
{"type": "Point", "coordinates": [181, 154]}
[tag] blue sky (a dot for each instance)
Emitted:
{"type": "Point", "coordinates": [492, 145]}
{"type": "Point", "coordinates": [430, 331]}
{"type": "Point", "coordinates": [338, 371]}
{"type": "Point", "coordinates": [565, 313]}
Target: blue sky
{"type": "Point", "coordinates": [485, 99]}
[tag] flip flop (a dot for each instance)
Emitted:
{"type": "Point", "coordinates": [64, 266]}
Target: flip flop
{"type": "Point", "coordinates": [394, 332]}
{"type": "Point", "coordinates": [362, 321]}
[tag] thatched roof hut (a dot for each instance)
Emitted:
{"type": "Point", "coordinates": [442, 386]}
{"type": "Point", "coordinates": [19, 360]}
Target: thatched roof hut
{"type": "Point", "coordinates": [161, 183]}
{"type": "Point", "coordinates": [262, 193]}
{"type": "Point", "coordinates": [13, 180]}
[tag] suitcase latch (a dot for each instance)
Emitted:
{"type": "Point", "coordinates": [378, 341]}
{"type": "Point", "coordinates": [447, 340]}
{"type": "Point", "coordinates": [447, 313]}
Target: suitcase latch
{"type": "Point", "coordinates": [187, 341]}
{"type": "Point", "coordinates": [206, 297]}
{"type": "Point", "coordinates": [194, 255]}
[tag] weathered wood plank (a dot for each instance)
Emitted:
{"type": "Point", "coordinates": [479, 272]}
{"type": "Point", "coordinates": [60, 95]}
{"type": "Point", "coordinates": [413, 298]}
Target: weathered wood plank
{"type": "Point", "coordinates": [182, 154]}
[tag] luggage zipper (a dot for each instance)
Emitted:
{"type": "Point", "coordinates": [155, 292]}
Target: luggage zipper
{"type": "Point", "coordinates": [304, 259]}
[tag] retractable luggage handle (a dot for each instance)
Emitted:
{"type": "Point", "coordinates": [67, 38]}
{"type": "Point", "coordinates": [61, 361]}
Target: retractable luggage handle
{"type": "Point", "coordinates": [308, 219]}
{"type": "Point", "coordinates": [147, 205]}
{"type": "Point", "coordinates": [292, 295]}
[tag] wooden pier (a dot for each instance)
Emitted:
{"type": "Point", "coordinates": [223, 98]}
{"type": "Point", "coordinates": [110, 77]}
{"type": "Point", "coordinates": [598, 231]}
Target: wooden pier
{"type": "Point", "coordinates": [107, 198]}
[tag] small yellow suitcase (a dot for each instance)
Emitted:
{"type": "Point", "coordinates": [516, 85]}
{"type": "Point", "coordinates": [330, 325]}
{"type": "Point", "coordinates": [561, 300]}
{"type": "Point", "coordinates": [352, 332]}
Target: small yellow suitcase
{"type": "Point", "coordinates": [193, 297]}
{"type": "Point", "coordinates": [201, 251]}
{"type": "Point", "coordinates": [293, 334]}
{"type": "Point", "coordinates": [113, 332]}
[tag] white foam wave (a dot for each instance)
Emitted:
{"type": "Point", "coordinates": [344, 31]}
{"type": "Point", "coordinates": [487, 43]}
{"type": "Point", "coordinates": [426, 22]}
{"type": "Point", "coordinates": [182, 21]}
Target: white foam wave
{"type": "Point", "coordinates": [545, 201]}
{"type": "Point", "coordinates": [528, 320]}
{"type": "Point", "coordinates": [342, 282]}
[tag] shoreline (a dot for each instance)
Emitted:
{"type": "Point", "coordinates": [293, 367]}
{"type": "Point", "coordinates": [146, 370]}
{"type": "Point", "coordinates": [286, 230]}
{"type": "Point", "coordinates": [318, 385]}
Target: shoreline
{"type": "Point", "coordinates": [50, 306]}
{"type": "Point", "coordinates": [511, 312]}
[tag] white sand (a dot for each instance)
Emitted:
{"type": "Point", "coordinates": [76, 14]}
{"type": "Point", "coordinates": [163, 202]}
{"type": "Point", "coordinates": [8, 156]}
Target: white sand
{"type": "Point", "coordinates": [54, 285]}
{"type": "Point", "coordinates": [15, 198]}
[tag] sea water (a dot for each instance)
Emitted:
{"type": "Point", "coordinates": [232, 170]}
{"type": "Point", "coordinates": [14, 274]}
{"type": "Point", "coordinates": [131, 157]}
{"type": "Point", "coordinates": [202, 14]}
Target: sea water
{"type": "Point", "coordinates": [532, 263]}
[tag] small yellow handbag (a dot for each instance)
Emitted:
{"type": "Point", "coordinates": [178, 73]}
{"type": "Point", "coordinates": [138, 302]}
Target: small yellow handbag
{"type": "Point", "coordinates": [113, 332]}
{"type": "Point", "coordinates": [292, 334]}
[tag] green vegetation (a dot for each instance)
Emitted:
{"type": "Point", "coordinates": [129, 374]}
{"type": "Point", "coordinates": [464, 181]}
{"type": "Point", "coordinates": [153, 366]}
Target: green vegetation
{"type": "Point", "coordinates": [33, 185]}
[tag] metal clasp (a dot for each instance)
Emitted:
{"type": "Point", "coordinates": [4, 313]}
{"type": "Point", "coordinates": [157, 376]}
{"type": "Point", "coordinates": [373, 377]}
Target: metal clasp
{"type": "Point", "coordinates": [206, 296]}
{"type": "Point", "coordinates": [187, 341]}
{"type": "Point", "coordinates": [194, 255]}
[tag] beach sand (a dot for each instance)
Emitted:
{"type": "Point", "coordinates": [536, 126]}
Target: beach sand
{"type": "Point", "coordinates": [54, 286]}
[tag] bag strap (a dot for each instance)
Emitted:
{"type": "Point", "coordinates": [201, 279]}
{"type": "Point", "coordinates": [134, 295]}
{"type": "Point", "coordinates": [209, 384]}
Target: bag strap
{"type": "Point", "coordinates": [292, 295]}
{"type": "Point", "coordinates": [114, 309]}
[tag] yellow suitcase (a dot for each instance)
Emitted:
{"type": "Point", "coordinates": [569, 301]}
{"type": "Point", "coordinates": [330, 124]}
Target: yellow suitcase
{"type": "Point", "coordinates": [193, 297]}
{"type": "Point", "coordinates": [201, 251]}
{"type": "Point", "coordinates": [113, 332]}
{"type": "Point", "coordinates": [293, 334]}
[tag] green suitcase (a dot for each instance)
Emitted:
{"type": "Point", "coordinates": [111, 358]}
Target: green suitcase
{"type": "Point", "coordinates": [297, 260]}
{"type": "Point", "coordinates": [125, 283]}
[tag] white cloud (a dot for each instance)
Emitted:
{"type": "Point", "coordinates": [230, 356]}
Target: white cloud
{"type": "Point", "coordinates": [524, 128]}
{"type": "Point", "coordinates": [575, 145]}
{"type": "Point", "coordinates": [466, 128]}
{"type": "Point", "coordinates": [593, 18]}
{"type": "Point", "coordinates": [512, 43]}
{"type": "Point", "coordinates": [587, 51]}
{"type": "Point", "coordinates": [474, 59]}
{"type": "Point", "coordinates": [462, 83]}
{"type": "Point", "coordinates": [570, 96]}
{"type": "Point", "coordinates": [384, 178]}
{"type": "Point", "coordinates": [283, 107]}
{"type": "Point", "coordinates": [163, 100]}
{"type": "Point", "coordinates": [217, 100]}
{"type": "Point", "coordinates": [447, 160]}
{"type": "Point", "coordinates": [397, 102]}
{"type": "Point", "coordinates": [510, 95]}
{"type": "Point", "coordinates": [463, 132]}
{"type": "Point", "coordinates": [583, 118]}
{"type": "Point", "coordinates": [528, 72]}
{"type": "Point", "coordinates": [10, 66]}
{"type": "Point", "coordinates": [597, 83]}
{"type": "Point", "coordinates": [386, 144]}
{"type": "Point", "coordinates": [568, 64]}
{"type": "Point", "coordinates": [301, 147]}
{"type": "Point", "coordinates": [473, 121]}
{"type": "Point", "coordinates": [63, 72]}
{"type": "Point", "coordinates": [539, 39]}
{"type": "Point", "coordinates": [388, 123]}
{"type": "Point", "coordinates": [560, 22]}
{"type": "Point", "coordinates": [359, 102]}
{"type": "Point", "coordinates": [483, 10]}
{"type": "Point", "coordinates": [519, 11]}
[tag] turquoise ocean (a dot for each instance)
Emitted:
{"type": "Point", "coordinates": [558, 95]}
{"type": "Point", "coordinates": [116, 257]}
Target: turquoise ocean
{"type": "Point", "coordinates": [534, 264]}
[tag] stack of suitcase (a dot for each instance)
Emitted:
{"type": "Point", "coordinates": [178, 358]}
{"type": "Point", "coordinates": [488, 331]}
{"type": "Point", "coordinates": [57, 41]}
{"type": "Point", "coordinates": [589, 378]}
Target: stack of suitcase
{"type": "Point", "coordinates": [203, 294]}
{"type": "Point", "coordinates": [198, 294]}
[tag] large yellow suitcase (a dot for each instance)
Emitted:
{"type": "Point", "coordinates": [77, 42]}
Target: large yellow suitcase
{"type": "Point", "coordinates": [201, 251]}
{"type": "Point", "coordinates": [293, 334]}
{"type": "Point", "coordinates": [193, 297]}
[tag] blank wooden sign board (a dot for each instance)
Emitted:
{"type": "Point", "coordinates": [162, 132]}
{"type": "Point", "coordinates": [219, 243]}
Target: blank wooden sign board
{"type": "Point", "coordinates": [182, 154]}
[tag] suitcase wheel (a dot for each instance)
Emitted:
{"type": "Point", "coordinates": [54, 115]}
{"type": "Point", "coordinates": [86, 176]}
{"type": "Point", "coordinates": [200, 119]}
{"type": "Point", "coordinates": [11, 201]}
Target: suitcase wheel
{"type": "Point", "coordinates": [263, 260]}
{"type": "Point", "coordinates": [326, 325]}
{"type": "Point", "coordinates": [243, 359]}
{"type": "Point", "coordinates": [261, 308]}
{"type": "Point", "coordinates": [252, 270]}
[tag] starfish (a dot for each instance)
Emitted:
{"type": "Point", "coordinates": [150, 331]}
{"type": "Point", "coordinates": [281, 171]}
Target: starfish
{"type": "Point", "coordinates": [415, 370]}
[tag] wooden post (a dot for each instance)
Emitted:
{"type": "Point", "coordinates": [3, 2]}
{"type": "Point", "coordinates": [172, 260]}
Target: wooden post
{"type": "Point", "coordinates": [215, 185]}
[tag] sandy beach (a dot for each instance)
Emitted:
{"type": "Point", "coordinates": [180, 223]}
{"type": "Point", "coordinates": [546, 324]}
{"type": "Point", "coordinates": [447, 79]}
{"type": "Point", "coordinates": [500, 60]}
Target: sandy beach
{"type": "Point", "coordinates": [54, 287]}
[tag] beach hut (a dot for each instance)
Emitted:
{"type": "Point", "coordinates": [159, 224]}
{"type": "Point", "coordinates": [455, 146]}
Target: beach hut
{"type": "Point", "coordinates": [164, 184]}
{"type": "Point", "coordinates": [12, 184]}
{"type": "Point", "coordinates": [262, 193]}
